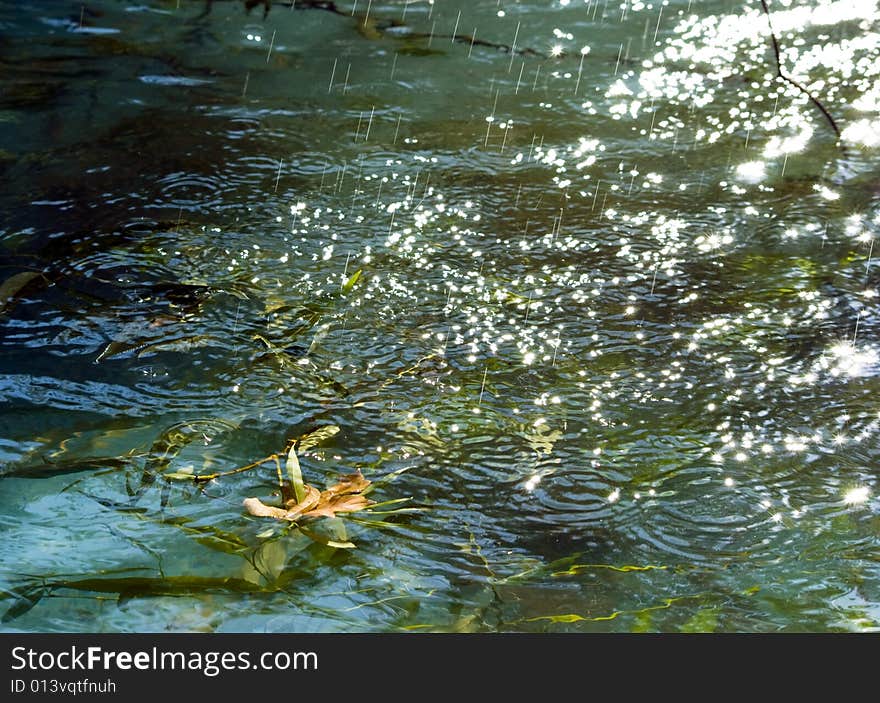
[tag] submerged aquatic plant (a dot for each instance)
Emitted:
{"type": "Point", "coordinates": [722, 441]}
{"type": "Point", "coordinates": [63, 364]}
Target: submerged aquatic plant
{"type": "Point", "coordinates": [14, 286]}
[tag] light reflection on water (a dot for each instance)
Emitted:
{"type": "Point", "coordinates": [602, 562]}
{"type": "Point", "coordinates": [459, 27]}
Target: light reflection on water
{"type": "Point", "coordinates": [617, 316]}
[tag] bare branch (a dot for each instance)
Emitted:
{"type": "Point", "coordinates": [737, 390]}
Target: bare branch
{"type": "Point", "coordinates": [791, 81]}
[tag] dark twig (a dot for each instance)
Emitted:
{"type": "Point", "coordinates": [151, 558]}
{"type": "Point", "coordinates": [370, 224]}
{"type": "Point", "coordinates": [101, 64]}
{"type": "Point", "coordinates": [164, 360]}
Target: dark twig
{"type": "Point", "coordinates": [791, 81]}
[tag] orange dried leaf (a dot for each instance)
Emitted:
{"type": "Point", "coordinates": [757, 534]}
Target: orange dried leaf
{"type": "Point", "coordinates": [342, 497]}
{"type": "Point", "coordinates": [338, 504]}
{"type": "Point", "coordinates": [312, 495]}
{"type": "Point", "coordinates": [258, 508]}
{"type": "Point", "coordinates": [312, 498]}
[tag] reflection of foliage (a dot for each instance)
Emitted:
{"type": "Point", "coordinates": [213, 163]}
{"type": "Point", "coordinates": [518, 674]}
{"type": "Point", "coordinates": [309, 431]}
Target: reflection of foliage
{"type": "Point", "coordinates": [375, 28]}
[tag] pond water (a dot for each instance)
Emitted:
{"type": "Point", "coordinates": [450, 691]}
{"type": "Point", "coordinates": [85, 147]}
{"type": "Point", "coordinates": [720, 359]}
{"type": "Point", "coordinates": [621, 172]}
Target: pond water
{"type": "Point", "coordinates": [614, 331]}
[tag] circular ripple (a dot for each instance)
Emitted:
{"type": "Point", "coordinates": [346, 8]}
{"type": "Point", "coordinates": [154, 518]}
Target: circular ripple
{"type": "Point", "coordinates": [191, 191]}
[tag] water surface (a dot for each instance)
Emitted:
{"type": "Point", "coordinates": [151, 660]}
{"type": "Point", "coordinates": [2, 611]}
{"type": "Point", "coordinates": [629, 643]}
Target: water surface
{"type": "Point", "coordinates": [616, 323]}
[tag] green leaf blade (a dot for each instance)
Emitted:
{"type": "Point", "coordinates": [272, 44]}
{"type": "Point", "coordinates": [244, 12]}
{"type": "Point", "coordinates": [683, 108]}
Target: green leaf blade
{"type": "Point", "coordinates": [294, 474]}
{"type": "Point", "coordinates": [352, 281]}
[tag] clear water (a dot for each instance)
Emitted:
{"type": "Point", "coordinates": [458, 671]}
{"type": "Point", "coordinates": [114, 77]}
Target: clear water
{"type": "Point", "coordinates": [617, 315]}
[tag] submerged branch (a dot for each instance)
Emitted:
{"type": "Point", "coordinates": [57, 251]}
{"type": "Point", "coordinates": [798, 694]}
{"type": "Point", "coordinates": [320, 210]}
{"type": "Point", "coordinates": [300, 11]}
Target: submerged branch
{"type": "Point", "coordinates": [203, 478]}
{"type": "Point", "coordinates": [473, 41]}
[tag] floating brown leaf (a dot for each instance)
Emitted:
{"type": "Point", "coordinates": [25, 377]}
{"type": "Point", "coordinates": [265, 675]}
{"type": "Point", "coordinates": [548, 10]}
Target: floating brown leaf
{"type": "Point", "coordinates": [258, 508]}
{"type": "Point", "coordinates": [311, 499]}
{"type": "Point", "coordinates": [339, 504]}
{"type": "Point", "coordinates": [342, 497]}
